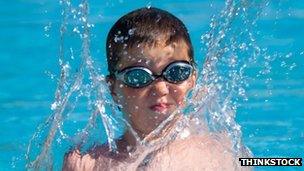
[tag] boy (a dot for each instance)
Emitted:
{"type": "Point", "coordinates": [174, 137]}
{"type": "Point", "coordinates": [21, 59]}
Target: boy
{"type": "Point", "coordinates": [151, 66]}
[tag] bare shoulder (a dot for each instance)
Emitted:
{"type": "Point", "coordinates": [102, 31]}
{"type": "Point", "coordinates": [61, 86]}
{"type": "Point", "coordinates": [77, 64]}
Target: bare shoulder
{"type": "Point", "coordinates": [213, 144]}
{"type": "Point", "coordinates": [216, 148]}
{"type": "Point", "coordinates": [212, 148]}
{"type": "Point", "coordinates": [218, 152]}
{"type": "Point", "coordinates": [197, 152]}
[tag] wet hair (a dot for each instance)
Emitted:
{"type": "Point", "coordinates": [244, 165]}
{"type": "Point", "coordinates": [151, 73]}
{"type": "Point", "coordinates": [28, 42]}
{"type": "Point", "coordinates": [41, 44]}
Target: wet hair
{"type": "Point", "coordinates": [144, 27]}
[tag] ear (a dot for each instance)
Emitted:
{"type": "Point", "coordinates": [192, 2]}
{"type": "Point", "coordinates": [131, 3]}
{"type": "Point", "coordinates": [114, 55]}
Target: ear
{"type": "Point", "coordinates": [201, 92]}
{"type": "Point", "coordinates": [111, 83]}
{"type": "Point", "coordinates": [193, 79]}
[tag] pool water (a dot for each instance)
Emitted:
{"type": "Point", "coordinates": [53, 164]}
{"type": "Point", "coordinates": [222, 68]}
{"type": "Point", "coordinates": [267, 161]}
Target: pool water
{"type": "Point", "coordinates": [271, 119]}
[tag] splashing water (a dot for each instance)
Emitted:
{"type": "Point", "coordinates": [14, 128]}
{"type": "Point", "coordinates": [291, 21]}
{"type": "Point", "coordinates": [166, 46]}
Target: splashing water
{"type": "Point", "coordinates": [213, 102]}
{"type": "Point", "coordinates": [229, 51]}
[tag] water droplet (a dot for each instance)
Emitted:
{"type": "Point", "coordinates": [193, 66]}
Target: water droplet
{"type": "Point", "coordinates": [58, 140]}
{"type": "Point", "coordinates": [47, 29]}
{"type": "Point", "coordinates": [288, 55]}
{"type": "Point", "coordinates": [72, 53]}
{"type": "Point", "coordinates": [243, 46]}
{"type": "Point", "coordinates": [76, 30]}
{"type": "Point", "coordinates": [149, 5]}
{"type": "Point", "coordinates": [54, 106]}
{"type": "Point", "coordinates": [292, 66]}
{"type": "Point", "coordinates": [131, 31]}
{"type": "Point", "coordinates": [283, 64]}
{"type": "Point", "coordinates": [102, 109]}
{"type": "Point", "coordinates": [84, 36]}
{"type": "Point", "coordinates": [185, 134]}
{"type": "Point", "coordinates": [241, 91]}
{"type": "Point", "coordinates": [83, 19]}
{"type": "Point", "coordinates": [129, 148]}
{"type": "Point", "coordinates": [48, 73]}
{"type": "Point", "coordinates": [73, 11]}
{"type": "Point", "coordinates": [232, 61]}
{"type": "Point", "coordinates": [118, 39]}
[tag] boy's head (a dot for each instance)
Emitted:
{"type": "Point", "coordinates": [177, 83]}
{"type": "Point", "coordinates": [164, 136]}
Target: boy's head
{"type": "Point", "coordinates": [150, 61]}
{"type": "Point", "coordinates": [147, 27]}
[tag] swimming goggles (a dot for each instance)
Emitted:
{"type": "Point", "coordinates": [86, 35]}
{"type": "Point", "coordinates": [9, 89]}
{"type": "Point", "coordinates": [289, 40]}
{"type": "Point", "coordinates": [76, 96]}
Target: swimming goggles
{"type": "Point", "coordinates": [138, 77]}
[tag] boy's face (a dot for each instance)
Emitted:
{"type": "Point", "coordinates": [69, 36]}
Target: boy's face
{"type": "Point", "coordinates": [147, 107]}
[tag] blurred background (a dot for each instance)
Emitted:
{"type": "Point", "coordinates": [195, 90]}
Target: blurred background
{"type": "Point", "coordinates": [271, 118]}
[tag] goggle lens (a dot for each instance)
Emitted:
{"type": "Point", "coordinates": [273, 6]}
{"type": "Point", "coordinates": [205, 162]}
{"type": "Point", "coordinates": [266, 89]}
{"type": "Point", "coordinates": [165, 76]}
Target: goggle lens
{"type": "Point", "coordinates": [178, 73]}
{"type": "Point", "coordinates": [137, 78]}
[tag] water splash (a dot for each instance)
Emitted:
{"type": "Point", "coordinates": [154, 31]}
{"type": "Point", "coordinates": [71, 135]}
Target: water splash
{"type": "Point", "coordinates": [230, 49]}
{"type": "Point", "coordinates": [214, 101]}
{"type": "Point", "coordinates": [71, 86]}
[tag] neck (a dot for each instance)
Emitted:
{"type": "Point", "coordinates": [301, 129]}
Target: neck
{"type": "Point", "coordinates": [132, 141]}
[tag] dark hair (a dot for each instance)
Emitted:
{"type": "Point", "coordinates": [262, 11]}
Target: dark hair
{"type": "Point", "coordinates": [147, 26]}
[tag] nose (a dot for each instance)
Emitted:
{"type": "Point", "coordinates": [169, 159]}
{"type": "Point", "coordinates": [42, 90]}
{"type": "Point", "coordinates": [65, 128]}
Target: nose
{"type": "Point", "coordinates": [160, 88]}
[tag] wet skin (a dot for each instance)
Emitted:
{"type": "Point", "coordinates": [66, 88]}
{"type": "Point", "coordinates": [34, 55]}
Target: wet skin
{"type": "Point", "coordinates": [147, 107]}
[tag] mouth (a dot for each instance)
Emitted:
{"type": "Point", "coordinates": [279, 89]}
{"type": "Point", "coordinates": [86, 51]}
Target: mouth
{"type": "Point", "coordinates": [160, 107]}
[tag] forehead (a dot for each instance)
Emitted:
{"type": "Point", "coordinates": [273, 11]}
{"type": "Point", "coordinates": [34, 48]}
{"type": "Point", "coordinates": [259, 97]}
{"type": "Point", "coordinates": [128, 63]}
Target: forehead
{"type": "Point", "coordinates": [155, 58]}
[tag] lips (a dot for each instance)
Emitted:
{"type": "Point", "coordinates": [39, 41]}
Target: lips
{"type": "Point", "coordinates": [160, 107]}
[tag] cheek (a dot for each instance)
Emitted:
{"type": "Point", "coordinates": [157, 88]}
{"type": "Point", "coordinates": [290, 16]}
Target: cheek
{"type": "Point", "coordinates": [132, 98]}
{"type": "Point", "coordinates": [179, 92]}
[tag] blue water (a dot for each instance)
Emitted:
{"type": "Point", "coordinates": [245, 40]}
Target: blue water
{"type": "Point", "coordinates": [271, 119]}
